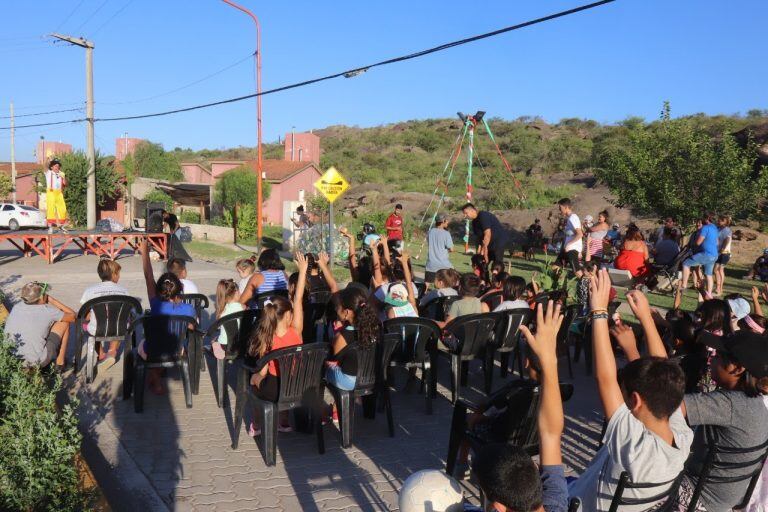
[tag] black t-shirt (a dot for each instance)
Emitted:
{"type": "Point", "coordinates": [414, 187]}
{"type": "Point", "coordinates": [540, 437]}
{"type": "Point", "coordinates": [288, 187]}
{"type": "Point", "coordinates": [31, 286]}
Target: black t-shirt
{"type": "Point", "coordinates": [172, 221]}
{"type": "Point", "coordinates": [487, 220]}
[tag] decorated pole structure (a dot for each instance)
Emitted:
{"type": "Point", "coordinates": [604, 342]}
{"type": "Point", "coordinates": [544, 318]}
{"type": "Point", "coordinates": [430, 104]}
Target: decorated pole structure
{"type": "Point", "coordinates": [470, 121]}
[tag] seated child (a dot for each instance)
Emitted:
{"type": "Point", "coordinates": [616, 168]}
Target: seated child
{"type": "Point", "coordinates": [279, 327]}
{"type": "Point", "coordinates": [245, 269]}
{"type": "Point", "coordinates": [164, 299]}
{"type": "Point", "coordinates": [227, 302]}
{"type": "Point", "coordinates": [358, 326]}
{"type": "Point", "coordinates": [513, 293]}
{"type": "Point", "coordinates": [178, 267]}
{"type": "Point", "coordinates": [468, 304]}
{"type": "Point", "coordinates": [444, 286]}
{"type": "Point", "coordinates": [646, 434]}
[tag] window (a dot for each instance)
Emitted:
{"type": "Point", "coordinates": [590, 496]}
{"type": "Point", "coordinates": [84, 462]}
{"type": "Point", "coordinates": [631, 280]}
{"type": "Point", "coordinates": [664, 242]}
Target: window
{"type": "Point", "coordinates": [301, 152]}
{"type": "Point", "coordinates": [8, 208]}
{"type": "Point", "coordinates": [28, 208]}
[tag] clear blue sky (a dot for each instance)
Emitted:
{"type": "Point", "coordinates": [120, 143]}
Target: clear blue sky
{"type": "Point", "coordinates": [621, 59]}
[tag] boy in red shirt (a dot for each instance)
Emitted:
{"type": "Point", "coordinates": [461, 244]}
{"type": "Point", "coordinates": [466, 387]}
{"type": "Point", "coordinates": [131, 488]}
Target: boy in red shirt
{"type": "Point", "coordinates": [394, 226]}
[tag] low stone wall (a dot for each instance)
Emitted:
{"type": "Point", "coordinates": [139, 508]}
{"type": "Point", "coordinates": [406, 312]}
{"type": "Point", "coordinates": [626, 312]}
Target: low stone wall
{"type": "Point", "coordinates": [210, 232]}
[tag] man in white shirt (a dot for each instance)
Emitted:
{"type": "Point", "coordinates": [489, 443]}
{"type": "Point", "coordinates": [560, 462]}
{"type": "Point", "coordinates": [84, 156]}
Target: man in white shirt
{"type": "Point", "coordinates": [572, 245]}
{"type": "Point", "coordinates": [109, 273]}
{"type": "Point", "coordinates": [55, 181]}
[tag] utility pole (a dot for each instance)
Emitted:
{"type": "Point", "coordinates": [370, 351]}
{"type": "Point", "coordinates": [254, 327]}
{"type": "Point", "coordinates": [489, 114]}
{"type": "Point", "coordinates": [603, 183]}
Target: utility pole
{"type": "Point", "coordinates": [13, 157]}
{"type": "Point", "coordinates": [91, 150]}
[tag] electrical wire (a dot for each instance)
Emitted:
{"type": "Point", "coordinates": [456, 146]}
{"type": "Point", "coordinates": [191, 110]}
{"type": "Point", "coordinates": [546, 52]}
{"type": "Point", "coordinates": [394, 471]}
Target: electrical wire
{"type": "Point", "coordinates": [111, 18]}
{"type": "Point", "coordinates": [89, 18]}
{"type": "Point", "coordinates": [45, 113]}
{"type": "Point", "coordinates": [73, 11]}
{"type": "Point", "coordinates": [348, 73]}
{"type": "Point", "coordinates": [207, 77]}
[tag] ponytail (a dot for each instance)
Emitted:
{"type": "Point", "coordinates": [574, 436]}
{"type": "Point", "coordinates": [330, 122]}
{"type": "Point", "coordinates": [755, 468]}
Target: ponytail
{"type": "Point", "coordinates": [273, 311]}
{"type": "Point", "coordinates": [225, 290]}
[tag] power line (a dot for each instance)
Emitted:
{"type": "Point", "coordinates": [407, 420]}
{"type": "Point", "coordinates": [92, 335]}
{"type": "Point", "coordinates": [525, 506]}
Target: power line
{"type": "Point", "coordinates": [89, 18]}
{"type": "Point", "coordinates": [348, 73]}
{"type": "Point", "coordinates": [111, 18]}
{"type": "Point", "coordinates": [69, 15]}
{"type": "Point", "coordinates": [45, 113]}
{"type": "Point", "coordinates": [207, 77]}
{"type": "Point", "coordinates": [362, 69]}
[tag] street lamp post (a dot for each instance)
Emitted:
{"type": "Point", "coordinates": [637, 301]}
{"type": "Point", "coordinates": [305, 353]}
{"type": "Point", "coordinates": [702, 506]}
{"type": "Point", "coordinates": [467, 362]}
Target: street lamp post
{"type": "Point", "coordinates": [259, 167]}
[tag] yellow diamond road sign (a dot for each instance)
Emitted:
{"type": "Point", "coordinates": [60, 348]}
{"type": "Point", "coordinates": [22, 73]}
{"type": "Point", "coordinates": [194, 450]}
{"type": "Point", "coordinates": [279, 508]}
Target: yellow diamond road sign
{"type": "Point", "coordinates": [331, 184]}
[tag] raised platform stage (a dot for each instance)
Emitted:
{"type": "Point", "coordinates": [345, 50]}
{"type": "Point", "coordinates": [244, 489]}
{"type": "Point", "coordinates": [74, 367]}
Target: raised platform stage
{"type": "Point", "coordinates": [50, 247]}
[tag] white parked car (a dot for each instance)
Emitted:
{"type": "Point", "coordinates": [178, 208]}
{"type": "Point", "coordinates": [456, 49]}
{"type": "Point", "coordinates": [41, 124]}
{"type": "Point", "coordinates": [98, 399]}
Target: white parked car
{"type": "Point", "coordinates": [15, 216]}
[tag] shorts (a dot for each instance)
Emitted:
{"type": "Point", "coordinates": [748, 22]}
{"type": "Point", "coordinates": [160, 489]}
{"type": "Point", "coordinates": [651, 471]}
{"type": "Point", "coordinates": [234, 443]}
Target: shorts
{"type": "Point", "coordinates": [723, 259]}
{"type": "Point", "coordinates": [571, 258]}
{"type": "Point", "coordinates": [52, 344]}
{"type": "Point", "coordinates": [269, 389]}
{"type": "Point", "coordinates": [339, 379]}
{"type": "Point", "coordinates": [429, 277]}
{"type": "Point", "coordinates": [703, 260]}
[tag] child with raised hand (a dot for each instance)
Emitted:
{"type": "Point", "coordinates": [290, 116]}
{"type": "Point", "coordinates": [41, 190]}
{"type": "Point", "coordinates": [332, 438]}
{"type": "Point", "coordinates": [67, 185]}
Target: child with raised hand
{"type": "Point", "coordinates": [164, 299]}
{"type": "Point", "coordinates": [506, 474]}
{"type": "Point", "coordinates": [646, 434]}
{"type": "Point", "coordinates": [227, 302]}
{"type": "Point", "coordinates": [279, 327]}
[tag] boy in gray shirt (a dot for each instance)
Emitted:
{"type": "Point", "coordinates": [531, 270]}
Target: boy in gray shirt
{"type": "Point", "coordinates": [39, 326]}
{"type": "Point", "coordinates": [735, 415]}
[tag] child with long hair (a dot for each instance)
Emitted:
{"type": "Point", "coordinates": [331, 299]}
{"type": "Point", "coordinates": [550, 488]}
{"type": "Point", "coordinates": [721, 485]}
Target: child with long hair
{"type": "Point", "coordinates": [359, 327]}
{"type": "Point", "coordinates": [279, 327]}
{"type": "Point", "coordinates": [270, 277]}
{"type": "Point", "coordinates": [164, 299]}
{"type": "Point", "coordinates": [227, 302]}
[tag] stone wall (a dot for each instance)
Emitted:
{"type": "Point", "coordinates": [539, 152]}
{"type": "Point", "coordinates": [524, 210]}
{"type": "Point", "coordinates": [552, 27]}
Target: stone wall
{"type": "Point", "coordinates": [213, 233]}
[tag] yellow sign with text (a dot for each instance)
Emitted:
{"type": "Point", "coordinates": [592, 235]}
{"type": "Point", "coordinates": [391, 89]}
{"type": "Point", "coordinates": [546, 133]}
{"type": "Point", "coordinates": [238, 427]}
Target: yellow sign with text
{"type": "Point", "coordinates": [331, 184]}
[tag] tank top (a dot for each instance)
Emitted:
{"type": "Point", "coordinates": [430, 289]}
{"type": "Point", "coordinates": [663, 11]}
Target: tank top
{"type": "Point", "coordinates": [273, 280]}
{"type": "Point", "coordinates": [347, 357]}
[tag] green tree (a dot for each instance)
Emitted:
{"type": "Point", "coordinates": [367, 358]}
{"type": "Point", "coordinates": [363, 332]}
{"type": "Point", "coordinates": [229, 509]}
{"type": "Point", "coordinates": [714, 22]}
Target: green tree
{"type": "Point", "coordinates": [674, 167]}
{"type": "Point", "coordinates": [235, 189]}
{"type": "Point", "coordinates": [150, 160]}
{"type": "Point", "coordinates": [158, 196]}
{"type": "Point", "coordinates": [75, 167]}
{"type": "Point", "coordinates": [6, 186]}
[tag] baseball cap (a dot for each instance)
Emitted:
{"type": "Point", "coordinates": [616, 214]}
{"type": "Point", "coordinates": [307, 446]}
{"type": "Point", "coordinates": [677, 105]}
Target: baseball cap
{"type": "Point", "coordinates": [616, 225]}
{"type": "Point", "coordinates": [31, 292]}
{"type": "Point", "coordinates": [440, 218]}
{"type": "Point", "coordinates": [739, 307]}
{"type": "Point", "coordinates": [588, 218]}
{"type": "Point", "coordinates": [765, 251]}
{"type": "Point", "coordinates": [744, 347]}
{"type": "Point", "coordinates": [397, 295]}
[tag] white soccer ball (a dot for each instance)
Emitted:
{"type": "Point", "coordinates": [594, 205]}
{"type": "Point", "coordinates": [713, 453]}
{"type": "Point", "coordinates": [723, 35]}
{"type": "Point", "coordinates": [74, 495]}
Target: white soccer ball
{"type": "Point", "coordinates": [430, 490]}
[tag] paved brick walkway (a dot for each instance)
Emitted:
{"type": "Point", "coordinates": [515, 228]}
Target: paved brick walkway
{"type": "Point", "coordinates": [175, 458]}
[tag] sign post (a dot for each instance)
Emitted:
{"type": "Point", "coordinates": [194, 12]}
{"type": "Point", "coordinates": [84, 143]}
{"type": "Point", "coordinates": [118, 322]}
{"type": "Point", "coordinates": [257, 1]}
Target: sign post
{"type": "Point", "coordinates": [331, 185]}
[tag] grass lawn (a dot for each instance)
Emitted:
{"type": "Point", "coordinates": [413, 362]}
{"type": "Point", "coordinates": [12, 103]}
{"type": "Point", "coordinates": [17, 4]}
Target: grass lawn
{"type": "Point", "coordinates": [222, 253]}
{"type": "Point", "coordinates": [733, 279]}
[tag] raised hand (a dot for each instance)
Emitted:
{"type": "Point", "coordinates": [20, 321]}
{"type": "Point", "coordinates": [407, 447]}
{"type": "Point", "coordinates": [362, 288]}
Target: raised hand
{"type": "Point", "coordinates": [600, 291]}
{"type": "Point", "coordinates": [345, 232]}
{"type": "Point", "coordinates": [639, 304]}
{"type": "Point", "coordinates": [323, 259]}
{"type": "Point", "coordinates": [301, 262]}
{"type": "Point", "coordinates": [625, 337]}
{"type": "Point", "coordinates": [544, 342]}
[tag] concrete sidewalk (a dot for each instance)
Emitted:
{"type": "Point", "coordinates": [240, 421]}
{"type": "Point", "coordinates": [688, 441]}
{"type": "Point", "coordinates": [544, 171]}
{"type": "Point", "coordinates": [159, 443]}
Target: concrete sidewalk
{"type": "Point", "coordinates": [174, 458]}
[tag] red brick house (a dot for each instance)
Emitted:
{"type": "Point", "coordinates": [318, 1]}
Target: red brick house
{"type": "Point", "coordinates": [25, 181]}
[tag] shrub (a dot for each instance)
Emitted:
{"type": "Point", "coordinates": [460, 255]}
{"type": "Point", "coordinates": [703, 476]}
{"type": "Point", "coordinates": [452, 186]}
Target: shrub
{"type": "Point", "coordinates": [38, 443]}
{"type": "Point", "coordinates": [189, 217]}
{"type": "Point", "coordinates": [158, 196]}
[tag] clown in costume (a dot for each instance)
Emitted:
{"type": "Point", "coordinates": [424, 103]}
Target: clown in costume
{"type": "Point", "coordinates": [55, 181]}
